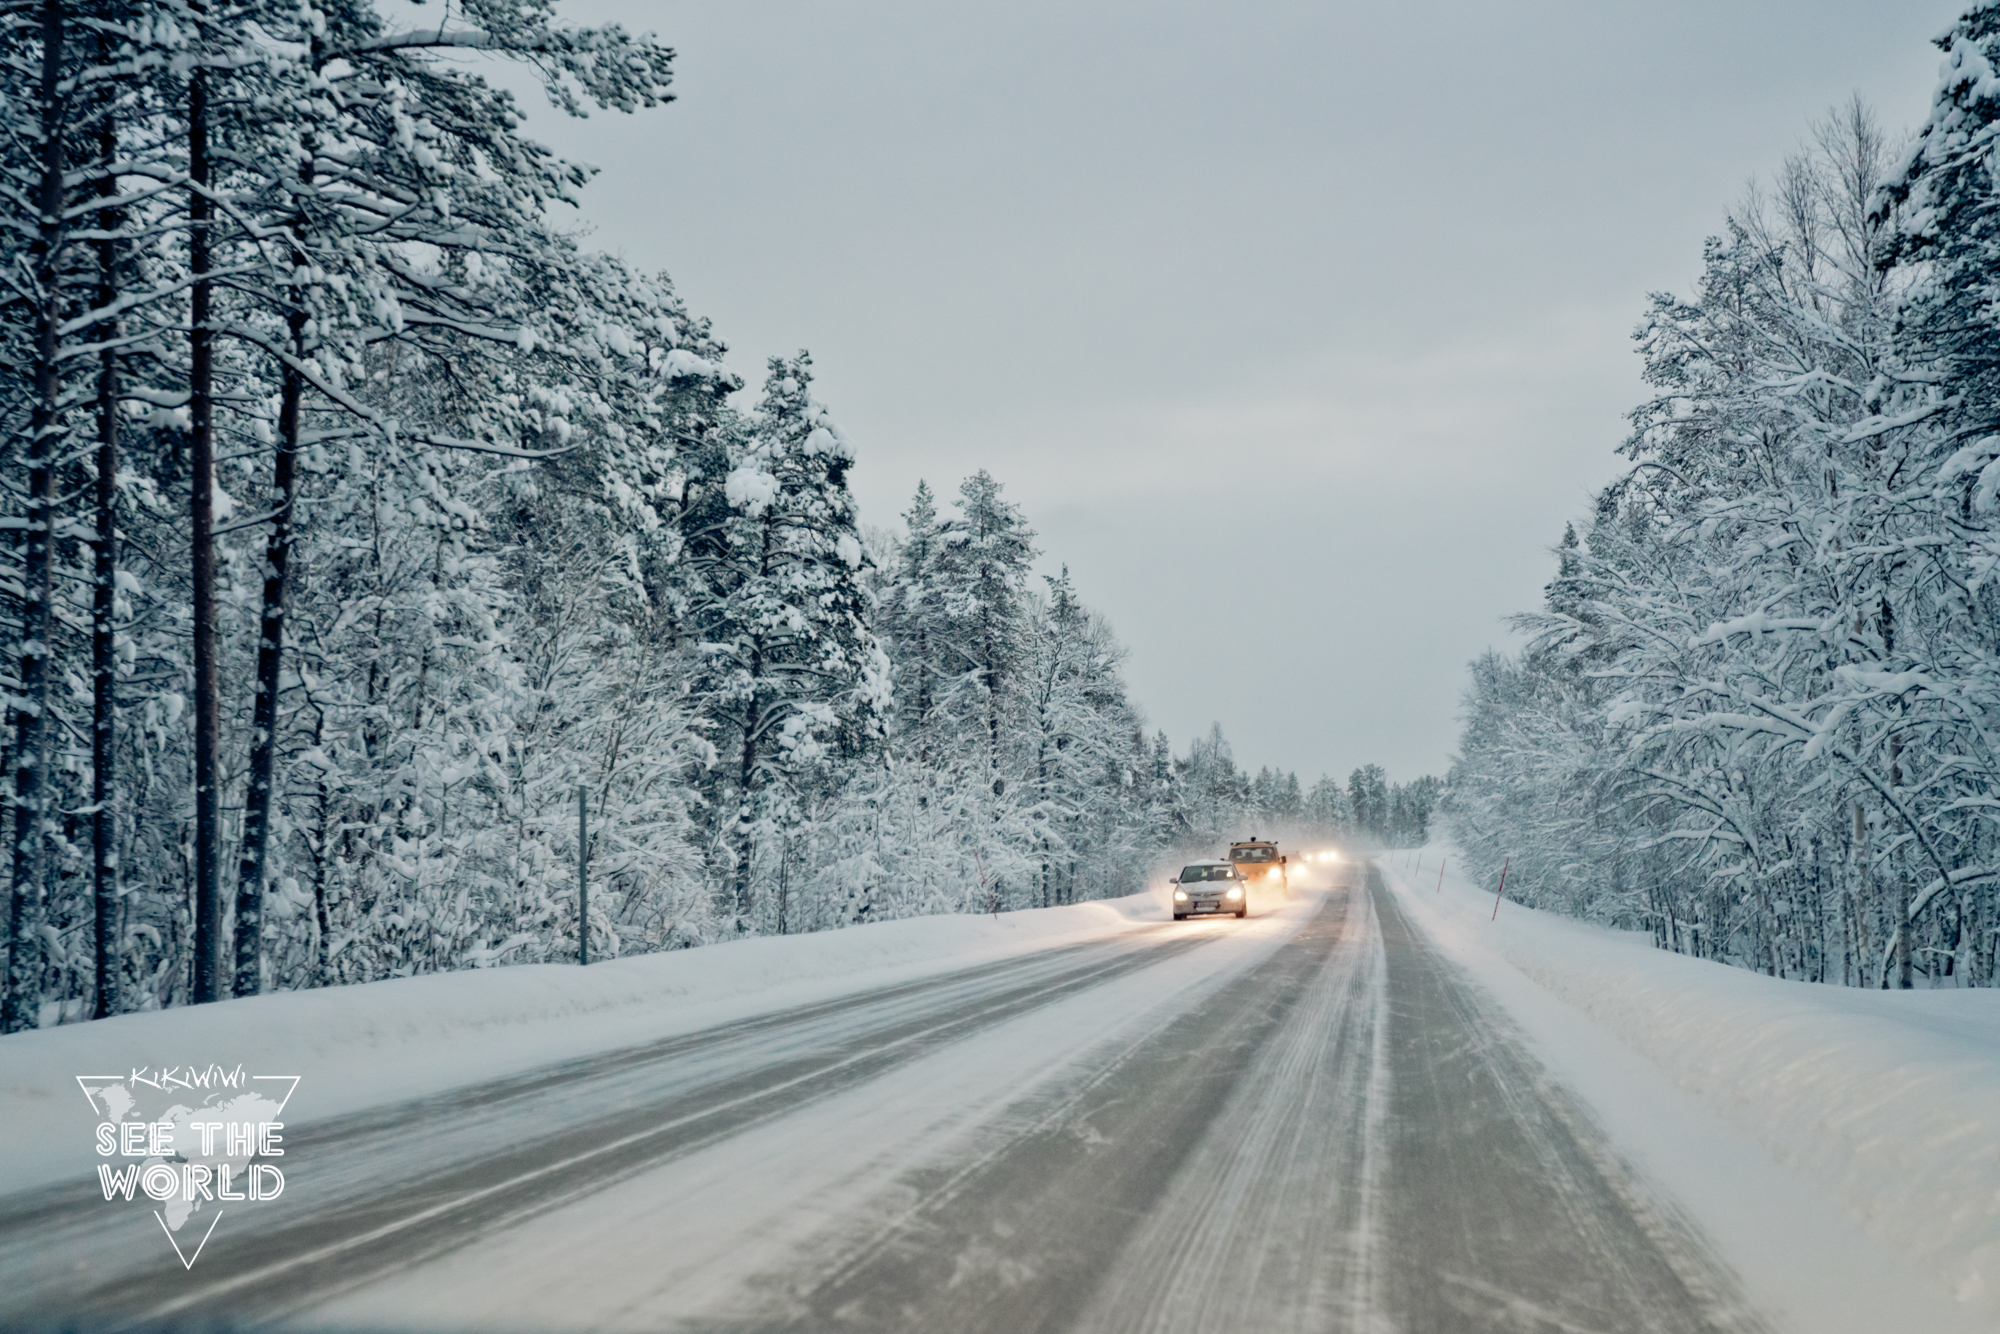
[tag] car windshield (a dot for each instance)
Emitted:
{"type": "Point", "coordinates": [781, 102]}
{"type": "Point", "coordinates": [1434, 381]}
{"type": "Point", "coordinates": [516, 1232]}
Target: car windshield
{"type": "Point", "coordinates": [1254, 854]}
{"type": "Point", "coordinates": [1193, 873]}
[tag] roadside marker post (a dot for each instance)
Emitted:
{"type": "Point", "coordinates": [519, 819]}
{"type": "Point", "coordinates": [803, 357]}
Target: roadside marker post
{"type": "Point", "coordinates": [1441, 865]}
{"type": "Point", "coordinates": [1498, 892]}
{"type": "Point", "coordinates": [1420, 864]}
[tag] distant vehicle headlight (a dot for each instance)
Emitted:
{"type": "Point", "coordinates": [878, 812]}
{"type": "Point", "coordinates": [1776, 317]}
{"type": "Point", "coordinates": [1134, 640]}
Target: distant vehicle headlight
{"type": "Point", "coordinates": [1235, 893]}
{"type": "Point", "coordinates": [1180, 896]}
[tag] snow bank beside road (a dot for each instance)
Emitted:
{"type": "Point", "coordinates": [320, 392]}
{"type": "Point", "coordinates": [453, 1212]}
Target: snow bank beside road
{"type": "Point", "coordinates": [360, 1046]}
{"type": "Point", "coordinates": [1890, 1101]}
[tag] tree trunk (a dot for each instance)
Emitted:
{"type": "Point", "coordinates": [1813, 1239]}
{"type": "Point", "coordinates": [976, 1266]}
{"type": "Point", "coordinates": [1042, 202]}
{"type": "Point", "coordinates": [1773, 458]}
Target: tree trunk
{"type": "Point", "coordinates": [1958, 915]}
{"type": "Point", "coordinates": [784, 883]}
{"type": "Point", "coordinates": [1042, 795]}
{"type": "Point", "coordinates": [1904, 980]}
{"type": "Point", "coordinates": [270, 659]}
{"type": "Point", "coordinates": [923, 695]}
{"type": "Point", "coordinates": [31, 731]}
{"type": "Point", "coordinates": [746, 771]}
{"type": "Point", "coordinates": [207, 705]}
{"type": "Point", "coordinates": [1864, 876]}
{"type": "Point", "coordinates": [104, 593]}
{"type": "Point", "coordinates": [992, 680]}
{"type": "Point", "coordinates": [1982, 943]}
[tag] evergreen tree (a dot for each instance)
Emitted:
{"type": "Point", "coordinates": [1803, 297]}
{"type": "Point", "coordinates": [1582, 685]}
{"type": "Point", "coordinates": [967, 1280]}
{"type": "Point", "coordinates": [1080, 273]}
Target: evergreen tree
{"type": "Point", "coordinates": [1936, 209]}
{"type": "Point", "coordinates": [911, 617]}
{"type": "Point", "coordinates": [788, 664]}
{"type": "Point", "coordinates": [987, 548]}
{"type": "Point", "coordinates": [1328, 811]}
{"type": "Point", "coordinates": [1368, 797]}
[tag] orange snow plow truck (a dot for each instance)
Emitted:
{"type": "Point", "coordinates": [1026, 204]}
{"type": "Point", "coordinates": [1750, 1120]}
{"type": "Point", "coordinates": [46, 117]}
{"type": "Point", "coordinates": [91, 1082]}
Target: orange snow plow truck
{"type": "Point", "coordinates": [1259, 862]}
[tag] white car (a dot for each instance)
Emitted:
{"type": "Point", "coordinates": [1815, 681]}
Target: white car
{"type": "Point", "coordinates": [1209, 886]}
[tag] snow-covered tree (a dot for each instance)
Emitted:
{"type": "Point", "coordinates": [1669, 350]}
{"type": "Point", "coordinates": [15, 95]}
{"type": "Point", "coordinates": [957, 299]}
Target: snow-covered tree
{"type": "Point", "coordinates": [790, 671]}
{"type": "Point", "coordinates": [1752, 716]}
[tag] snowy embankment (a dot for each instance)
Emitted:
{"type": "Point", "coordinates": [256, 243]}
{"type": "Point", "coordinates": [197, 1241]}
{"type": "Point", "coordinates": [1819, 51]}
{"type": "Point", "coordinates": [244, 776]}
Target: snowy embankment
{"type": "Point", "coordinates": [361, 1046]}
{"type": "Point", "coordinates": [1887, 1102]}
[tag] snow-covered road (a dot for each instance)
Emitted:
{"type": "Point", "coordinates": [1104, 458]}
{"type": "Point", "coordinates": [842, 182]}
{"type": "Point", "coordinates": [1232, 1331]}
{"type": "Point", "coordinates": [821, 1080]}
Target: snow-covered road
{"type": "Point", "coordinates": [1308, 1120]}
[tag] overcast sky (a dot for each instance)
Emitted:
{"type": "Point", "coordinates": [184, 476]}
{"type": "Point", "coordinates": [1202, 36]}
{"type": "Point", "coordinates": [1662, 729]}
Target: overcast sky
{"type": "Point", "coordinates": [1297, 329]}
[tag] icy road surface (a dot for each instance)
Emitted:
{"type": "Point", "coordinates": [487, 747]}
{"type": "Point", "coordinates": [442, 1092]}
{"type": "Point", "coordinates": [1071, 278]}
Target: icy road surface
{"type": "Point", "coordinates": [1305, 1121]}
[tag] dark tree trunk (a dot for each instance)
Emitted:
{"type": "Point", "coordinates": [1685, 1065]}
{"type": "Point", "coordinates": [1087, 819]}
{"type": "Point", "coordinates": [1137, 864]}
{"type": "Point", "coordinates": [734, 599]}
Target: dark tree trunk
{"type": "Point", "coordinates": [1042, 793]}
{"type": "Point", "coordinates": [1957, 939]}
{"type": "Point", "coordinates": [207, 705]}
{"type": "Point", "coordinates": [31, 731]}
{"type": "Point", "coordinates": [104, 593]}
{"type": "Point", "coordinates": [923, 696]}
{"type": "Point", "coordinates": [746, 774]}
{"type": "Point", "coordinates": [270, 658]}
{"type": "Point", "coordinates": [784, 884]}
{"type": "Point", "coordinates": [1904, 979]}
{"type": "Point", "coordinates": [991, 677]}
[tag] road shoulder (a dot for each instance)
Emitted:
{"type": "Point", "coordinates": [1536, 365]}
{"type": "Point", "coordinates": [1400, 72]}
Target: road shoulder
{"type": "Point", "coordinates": [1804, 1262]}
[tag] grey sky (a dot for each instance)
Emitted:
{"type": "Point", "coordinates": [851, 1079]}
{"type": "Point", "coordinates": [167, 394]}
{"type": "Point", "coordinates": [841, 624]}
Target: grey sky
{"type": "Point", "coordinates": [1312, 316]}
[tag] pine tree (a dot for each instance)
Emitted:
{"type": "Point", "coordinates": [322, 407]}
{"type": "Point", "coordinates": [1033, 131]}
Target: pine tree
{"type": "Point", "coordinates": [789, 666]}
{"type": "Point", "coordinates": [1328, 812]}
{"type": "Point", "coordinates": [33, 736]}
{"type": "Point", "coordinates": [1936, 209]}
{"type": "Point", "coordinates": [1080, 722]}
{"type": "Point", "coordinates": [398, 155]}
{"type": "Point", "coordinates": [1368, 796]}
{"type": "Point", "coordinates": [911, 616]}
{"type": "Point", "coordinates": [987, 551]}
{"type": "Point", "coordinates": [85, 70]}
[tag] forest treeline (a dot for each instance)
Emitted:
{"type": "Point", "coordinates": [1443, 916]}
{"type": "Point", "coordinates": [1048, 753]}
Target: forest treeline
{"type": "Point", "coordinates": [370, 542]}
{"type": "Point", "coordinates": [1757, 713]}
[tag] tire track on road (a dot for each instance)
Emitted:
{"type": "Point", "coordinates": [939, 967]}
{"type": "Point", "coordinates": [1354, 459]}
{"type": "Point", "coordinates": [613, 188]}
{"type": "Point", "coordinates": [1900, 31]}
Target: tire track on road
{"type": "Point", "coordinates": [1016, 1239]}
{"type": "Point", "coordinates": [1268, 1225]}
{"type": "Point", "coordinates": [1348, 1136]}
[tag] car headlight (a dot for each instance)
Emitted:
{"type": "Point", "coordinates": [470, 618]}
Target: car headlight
{"type": "Point", "coordinates": [1235, 893]}
{"type": "Point", "coordinates": [1180, 896]}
